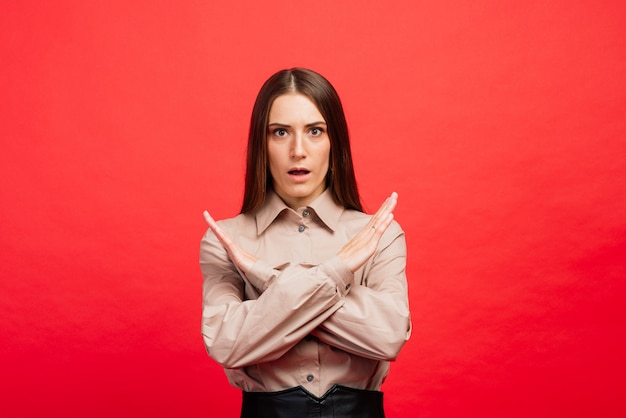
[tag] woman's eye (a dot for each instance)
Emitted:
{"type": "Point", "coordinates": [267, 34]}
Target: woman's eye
{"type": "Point", "coordinates": [316, 131]}
{"type": "Point", "coordinates": [280, 132]}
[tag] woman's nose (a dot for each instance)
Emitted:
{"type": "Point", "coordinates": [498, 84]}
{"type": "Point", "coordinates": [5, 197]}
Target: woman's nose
{"type": "Point", "coordinates": [298, 150]}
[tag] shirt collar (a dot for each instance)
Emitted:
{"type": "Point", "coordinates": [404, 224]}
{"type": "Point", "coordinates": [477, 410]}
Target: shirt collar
{"type": "Point", "coordinates": [324, 206]}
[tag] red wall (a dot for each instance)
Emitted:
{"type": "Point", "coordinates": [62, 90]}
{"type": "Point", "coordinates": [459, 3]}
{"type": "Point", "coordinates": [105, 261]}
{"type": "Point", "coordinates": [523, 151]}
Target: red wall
{"type": "Point", "coordinates": [500, 124]}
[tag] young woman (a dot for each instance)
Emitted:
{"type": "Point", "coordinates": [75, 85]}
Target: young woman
{"type": "Point", "coordinates": [304, 295]}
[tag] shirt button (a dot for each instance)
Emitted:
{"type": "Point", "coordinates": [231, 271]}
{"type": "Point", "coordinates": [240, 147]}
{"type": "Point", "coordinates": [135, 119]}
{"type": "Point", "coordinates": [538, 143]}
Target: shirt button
{"type": "Point", "coordinates": [301, 228]}
{"type": "Point", "coordinates": [305, 212]}
{"type": "Point", "coordinates": [309, 378]}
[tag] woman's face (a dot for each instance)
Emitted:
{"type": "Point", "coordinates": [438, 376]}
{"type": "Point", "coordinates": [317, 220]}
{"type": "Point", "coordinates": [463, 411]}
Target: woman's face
{"type": "Point", "coordinates": [298, 147]}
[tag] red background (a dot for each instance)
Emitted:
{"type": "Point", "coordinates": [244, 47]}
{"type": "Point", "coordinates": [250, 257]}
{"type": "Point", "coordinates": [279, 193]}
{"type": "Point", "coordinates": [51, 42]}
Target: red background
{"type": "Point", "coordinates": [500, 124]}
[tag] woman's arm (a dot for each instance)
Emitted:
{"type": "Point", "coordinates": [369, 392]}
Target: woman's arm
{"type": "Point", "coordinates": [240, 332]}
{"type": "Point", "coordinates": [374, 321]}
{"type": "Point", "coordinates": [301, 297]}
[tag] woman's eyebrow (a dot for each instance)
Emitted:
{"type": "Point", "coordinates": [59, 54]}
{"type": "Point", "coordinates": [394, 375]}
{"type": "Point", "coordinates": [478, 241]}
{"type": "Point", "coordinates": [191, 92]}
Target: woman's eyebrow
{"type": "Point", "coordinates": [308, 125]}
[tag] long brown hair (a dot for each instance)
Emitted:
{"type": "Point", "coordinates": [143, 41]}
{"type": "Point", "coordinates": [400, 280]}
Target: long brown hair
{"type": "Point", "coordinates": [340, 178]}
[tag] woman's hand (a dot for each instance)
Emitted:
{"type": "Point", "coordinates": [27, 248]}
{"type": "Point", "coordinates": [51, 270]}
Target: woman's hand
{"type": "Point", "coordinates": [242, 259]}
{"type": "Point", "coordinates": [360, 248]}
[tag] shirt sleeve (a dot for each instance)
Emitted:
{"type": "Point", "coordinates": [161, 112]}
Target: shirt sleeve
{"type": "Point", "coordinates": [239, 332]}
{"type": "Point", "coordinates": [374, 322]}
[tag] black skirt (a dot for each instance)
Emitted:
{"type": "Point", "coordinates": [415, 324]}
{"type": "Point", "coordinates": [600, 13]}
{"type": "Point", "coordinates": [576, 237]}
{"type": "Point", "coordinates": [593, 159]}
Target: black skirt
{"type": "Point", "coordinates": [338, 402]}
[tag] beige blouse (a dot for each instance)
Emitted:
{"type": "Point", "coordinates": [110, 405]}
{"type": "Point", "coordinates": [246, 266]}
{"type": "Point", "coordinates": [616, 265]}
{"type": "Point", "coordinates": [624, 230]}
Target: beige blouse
{"type": "Point", "coordinates": [300, 317]}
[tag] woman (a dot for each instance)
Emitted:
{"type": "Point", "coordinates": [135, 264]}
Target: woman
{"type": "Point", "coordinates": [304, 296]}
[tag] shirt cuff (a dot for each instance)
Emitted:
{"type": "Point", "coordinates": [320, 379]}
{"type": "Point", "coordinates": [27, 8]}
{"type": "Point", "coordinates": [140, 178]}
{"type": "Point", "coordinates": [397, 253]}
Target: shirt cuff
{"type": "Point", "coordinates": [340, 273]}
{"type": "Point", "coordinates": [261, 274]}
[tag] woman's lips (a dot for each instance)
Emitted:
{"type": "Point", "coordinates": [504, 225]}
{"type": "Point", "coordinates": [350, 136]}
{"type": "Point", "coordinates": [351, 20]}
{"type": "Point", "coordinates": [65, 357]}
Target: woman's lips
{"type": "Point", "coordinates": [299, 175]}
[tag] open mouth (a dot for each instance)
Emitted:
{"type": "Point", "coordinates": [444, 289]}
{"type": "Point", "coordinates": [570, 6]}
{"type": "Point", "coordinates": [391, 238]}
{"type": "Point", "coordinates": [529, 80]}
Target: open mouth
{"type": "Point", "coordinates": [299, 172]}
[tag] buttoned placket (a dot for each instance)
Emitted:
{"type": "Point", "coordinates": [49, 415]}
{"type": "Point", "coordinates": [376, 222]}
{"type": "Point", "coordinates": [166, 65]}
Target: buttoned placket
{"type": "Point", "coordinates": [304, 220]}
{"type": "Point", "coordinates": [310, 366]}
{"type": "Point", "coordinates": [310, 350]}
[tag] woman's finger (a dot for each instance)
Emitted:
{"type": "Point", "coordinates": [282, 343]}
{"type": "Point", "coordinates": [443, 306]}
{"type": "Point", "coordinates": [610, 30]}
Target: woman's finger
{"type": "Point", "coordinates": [360, 248]}
{"type": "Point", "coordinates": [241, 258]}
{"type": "Point", "coordinates": [209, 219]}
{"type": "Point", "coordinates": [385, 209]}
{"type": "Point", "coordinates": [222, 236]}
